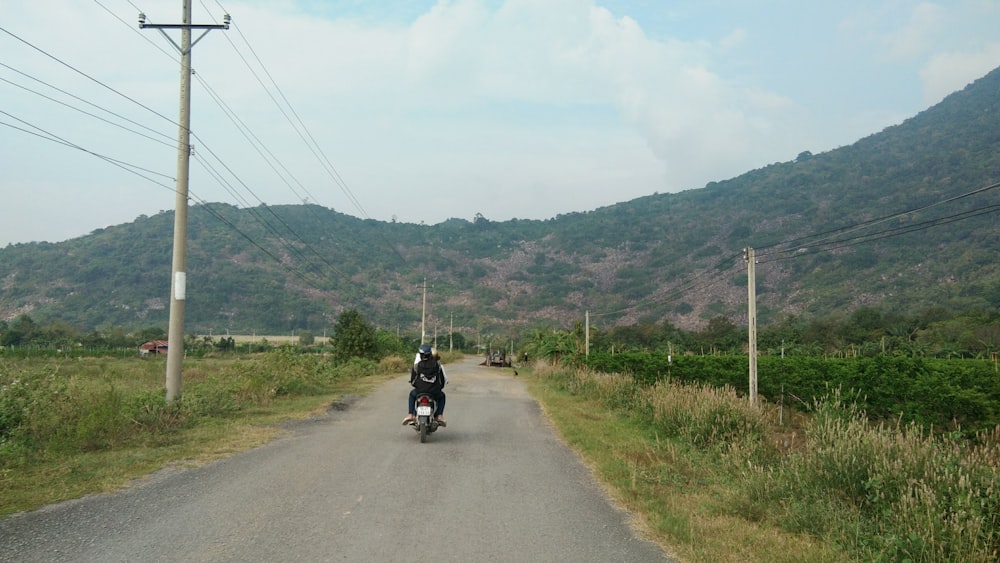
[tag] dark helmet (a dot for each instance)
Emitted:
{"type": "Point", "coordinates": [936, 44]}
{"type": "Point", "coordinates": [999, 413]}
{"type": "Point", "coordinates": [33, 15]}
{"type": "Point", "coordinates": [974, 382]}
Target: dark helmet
{"type": "Point", "coordinates": [424, 351]}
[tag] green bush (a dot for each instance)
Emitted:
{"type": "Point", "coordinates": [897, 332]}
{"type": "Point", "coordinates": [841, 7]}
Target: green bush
{"type": "Point", "coordinates": [884, 492]}
{"type": "Point", "coordinates": [910, 495]}
{"type": "Point", "coordinates": [936, 393]}
{"type": "Point", "coordinates": [66, 405]}
{"type": "Point", "coordinates": [706, 416]}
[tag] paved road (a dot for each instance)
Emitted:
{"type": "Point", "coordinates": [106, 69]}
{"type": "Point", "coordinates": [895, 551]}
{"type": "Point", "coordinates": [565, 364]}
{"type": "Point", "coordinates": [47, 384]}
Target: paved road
{"type": "Point", "coordinates": [497, 484]}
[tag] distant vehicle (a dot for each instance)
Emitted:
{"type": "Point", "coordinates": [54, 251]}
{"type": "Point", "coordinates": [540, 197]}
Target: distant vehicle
{"type": "Point", "coordinates": [497, 359]}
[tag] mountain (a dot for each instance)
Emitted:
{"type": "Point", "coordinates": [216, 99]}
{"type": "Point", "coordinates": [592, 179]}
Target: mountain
{"type": "Point", "coordinates": [903, 219]}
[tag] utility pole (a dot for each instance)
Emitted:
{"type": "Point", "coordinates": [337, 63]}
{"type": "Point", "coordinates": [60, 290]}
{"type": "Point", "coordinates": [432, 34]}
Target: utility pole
{"type": "Point", "coordinates": [423, 316]}
{"type": "Point", "coordinates": [178, 281]}
{"type": "Point", "coordinates": [586, 334]}
{"type": "Point", "coordinates": [748, 255]}
{"type": "Point", "coordinates": [451, 332]}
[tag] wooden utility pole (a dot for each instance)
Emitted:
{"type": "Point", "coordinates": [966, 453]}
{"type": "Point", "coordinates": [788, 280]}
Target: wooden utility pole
{"type": "Point", "coordinates": [178, 282]}
{"type": "Point", "coordinates": [748, 255]}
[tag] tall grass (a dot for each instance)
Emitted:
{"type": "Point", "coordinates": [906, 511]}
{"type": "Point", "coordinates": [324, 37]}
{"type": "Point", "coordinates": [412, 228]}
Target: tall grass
{"type": "Point", "coordinates": [48, 407]}
{"type": "Point", "coordinates": [904, 493]}
{"type": "Point", "coordinates": [877, 491]}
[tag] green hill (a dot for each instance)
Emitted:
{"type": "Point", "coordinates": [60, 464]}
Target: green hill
{"type": "Point", "coordinates": [894, 220]}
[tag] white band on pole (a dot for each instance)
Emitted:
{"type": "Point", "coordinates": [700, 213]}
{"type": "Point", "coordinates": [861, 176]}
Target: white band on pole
{"type": "Point", "coordinates": [180, 279]}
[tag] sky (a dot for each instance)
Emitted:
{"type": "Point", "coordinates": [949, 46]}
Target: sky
{"type": "Point", "coordinates": [420, 111]}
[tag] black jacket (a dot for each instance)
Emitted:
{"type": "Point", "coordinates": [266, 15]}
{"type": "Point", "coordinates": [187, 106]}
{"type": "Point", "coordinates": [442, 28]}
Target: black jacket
{"type": "Point", "coordinates": [427, 376]}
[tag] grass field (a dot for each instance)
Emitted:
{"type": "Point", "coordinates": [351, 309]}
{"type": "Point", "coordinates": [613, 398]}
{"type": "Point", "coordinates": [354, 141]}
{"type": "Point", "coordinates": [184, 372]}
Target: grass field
{"type": "Point", "coordinates": [717, 479]}
{"type": "Point", "coordinates": [707, 475]}
{"type": "Point", "coordinates": [275, 339]}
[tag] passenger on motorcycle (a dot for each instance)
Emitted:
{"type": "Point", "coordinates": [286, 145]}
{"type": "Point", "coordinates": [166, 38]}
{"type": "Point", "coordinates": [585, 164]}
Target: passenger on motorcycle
{"type": "Point", "coordinates": [426, 376]}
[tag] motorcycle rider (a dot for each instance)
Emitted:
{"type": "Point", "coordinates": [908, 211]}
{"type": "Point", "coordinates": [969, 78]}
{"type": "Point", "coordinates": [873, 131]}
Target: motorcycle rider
{"type": "Point", "coordinates": [426, 376]}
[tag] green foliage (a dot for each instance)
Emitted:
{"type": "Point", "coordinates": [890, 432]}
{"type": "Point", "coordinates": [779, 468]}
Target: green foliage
{"type": "Point", "coordinates": [66, 406]}
{"type": "Point", "coordinates": [705, 416]}
{"type": "Point", "coordinates": [306, 338]}
{"type": "Point", "coordinates": [43, 410]}
{"type": "Point", "coordinates": [665, 256]}
{"type": "Point", "coordinates": [910, 496]}
{"type": "Point", "coordinates": [353, 337]}
{"type": "Point", "coordinates": [880, 492]}
{"type": "Point", "coordinates": [935, 393]}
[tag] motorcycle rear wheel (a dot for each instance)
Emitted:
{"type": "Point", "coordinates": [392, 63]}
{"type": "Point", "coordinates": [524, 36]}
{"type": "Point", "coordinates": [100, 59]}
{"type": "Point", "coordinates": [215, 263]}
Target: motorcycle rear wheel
{"type": "Point", "coordinates": [423, 427]}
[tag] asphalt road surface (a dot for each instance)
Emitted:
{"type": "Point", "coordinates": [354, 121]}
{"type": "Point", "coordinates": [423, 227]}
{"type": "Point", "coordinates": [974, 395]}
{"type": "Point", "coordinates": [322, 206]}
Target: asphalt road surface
{"type": "Point", "coordinates": [495, 485]}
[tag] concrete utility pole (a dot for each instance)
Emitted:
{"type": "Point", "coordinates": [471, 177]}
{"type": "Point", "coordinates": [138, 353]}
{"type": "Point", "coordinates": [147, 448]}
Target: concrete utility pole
{"type": "Point", "coordinates": [748, 255]}
{"type": "Point", "coordinates": [178, 283]}
{"type": "Point", "coordinates": [423, 316]}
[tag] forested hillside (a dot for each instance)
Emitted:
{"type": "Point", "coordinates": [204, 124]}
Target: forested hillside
{"type": "Point", "coordinates": [903, 219]}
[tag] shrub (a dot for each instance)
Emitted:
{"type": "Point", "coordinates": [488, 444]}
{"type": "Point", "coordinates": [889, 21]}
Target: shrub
{"type": "Point", "coordinates": [706, 416]}
{"type": "Point", "coordinates": [914, 496]}
{"type": "Point", "coordinates": [393, 364]}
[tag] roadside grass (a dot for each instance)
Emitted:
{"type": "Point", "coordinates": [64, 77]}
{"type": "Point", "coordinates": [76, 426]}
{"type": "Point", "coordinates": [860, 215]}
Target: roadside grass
{"type": "Point", "coordinates": [712, 478]}
{"type": "Point", "coordinates": [77, 427]}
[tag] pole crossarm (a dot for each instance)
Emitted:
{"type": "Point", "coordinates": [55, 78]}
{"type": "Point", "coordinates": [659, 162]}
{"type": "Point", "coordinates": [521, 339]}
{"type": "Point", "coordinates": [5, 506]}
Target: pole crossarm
{"type": "Point", "coordinates": [184, 26]}
{"type": "Point", "coordinates": [226, 20]}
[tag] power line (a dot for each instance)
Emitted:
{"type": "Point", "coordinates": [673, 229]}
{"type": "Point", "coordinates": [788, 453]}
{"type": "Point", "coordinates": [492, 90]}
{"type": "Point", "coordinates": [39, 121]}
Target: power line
{"type": "Point", "coordinates": [84, 112]}
{"type": "Point", "coordinates": [676, 292]}
{"type": "Point", "coordinates": [39, 132]}
{"type": "Point", "coordinates": [864, 224]}
{"type": "Point", "coordinates": [42, 133]}
{"type": "Point", "coordinates": [208, 167]}
{"type": "Point", "coordinates": [887, 233]}
{"type": "Point", "coordinates": [297, 123]}
{"type": "Point", "coordinates": [87, 76]}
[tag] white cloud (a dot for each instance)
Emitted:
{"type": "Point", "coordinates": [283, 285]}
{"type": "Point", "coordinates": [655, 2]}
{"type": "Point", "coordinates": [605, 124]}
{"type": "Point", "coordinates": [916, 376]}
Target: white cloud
{"type": "Point", "coordinates": [735, 39]}
{"type": "Point", "coordinates": [918, 33]}
{"type": "Point", "coordinates": [947, 72]}
{"type": "Point", "coordinates": [512, 108]}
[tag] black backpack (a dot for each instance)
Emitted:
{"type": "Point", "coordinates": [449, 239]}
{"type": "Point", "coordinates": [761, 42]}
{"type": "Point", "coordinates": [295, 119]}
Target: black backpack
{"type": "Point", "coordinates": [427, 376]}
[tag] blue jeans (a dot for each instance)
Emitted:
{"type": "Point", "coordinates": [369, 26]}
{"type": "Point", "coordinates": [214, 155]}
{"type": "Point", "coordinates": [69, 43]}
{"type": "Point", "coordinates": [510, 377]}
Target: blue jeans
{"type": "Point", "coordinates": [438, 399]}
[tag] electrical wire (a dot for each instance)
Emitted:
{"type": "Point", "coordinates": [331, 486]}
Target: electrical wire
{"type": "Point", "coordinates": [85, 112]}
{"type": "Point", "coordinates": [829, 243]}
{"type": "Point", "coordinates": [87, 76]}
{"type": "Point", "coordinates": [42, 133]}
{"type": "Point", "coordinates": [859, 226]}
{"type": "Point", "coordinates": [134, 169]}
{"type": "Point", "coordinates": [228, 186]}
{"type": "Point", "coordinates": [297, 123]}
{"type": "Point", "coordinates": [674, 293]}
{"type": "Point", "coordinates": [887, 233]}
{"type": "Point", "coordinates": [300, 128]}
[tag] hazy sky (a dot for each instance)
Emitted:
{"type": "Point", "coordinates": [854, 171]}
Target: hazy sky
{"type": "Point", "coordinates": [421, 111]}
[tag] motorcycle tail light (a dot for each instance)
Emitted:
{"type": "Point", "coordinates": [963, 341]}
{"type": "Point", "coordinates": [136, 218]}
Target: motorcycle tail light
{"type": "Point", "coordinates": [423, 400]}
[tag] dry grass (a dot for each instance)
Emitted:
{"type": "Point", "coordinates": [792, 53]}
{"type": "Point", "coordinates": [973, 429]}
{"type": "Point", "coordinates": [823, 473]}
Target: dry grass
{"type": "Point", "coordinates": [675, 494]}
{"type": "Point", "coordinates": [94, 425]}
{"type": "Point", "coordinates": [716, 479]}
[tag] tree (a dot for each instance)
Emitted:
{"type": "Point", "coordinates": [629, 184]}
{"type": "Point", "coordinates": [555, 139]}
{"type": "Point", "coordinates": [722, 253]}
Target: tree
{"type": "Point", "coordinates": [353, 337]}
{"type": "Point", "coordinates": [20, 332]}
{"type": "Point", "coordinates": [306, 338]}
{"type": "Point", "coordinates": [721, 334]}
{"type": "Point", "coordinates": [152, 333]}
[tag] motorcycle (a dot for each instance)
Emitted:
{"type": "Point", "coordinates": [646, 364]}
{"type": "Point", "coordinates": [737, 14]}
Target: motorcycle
{"type": "Point", "coordinates": [426, 423]}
